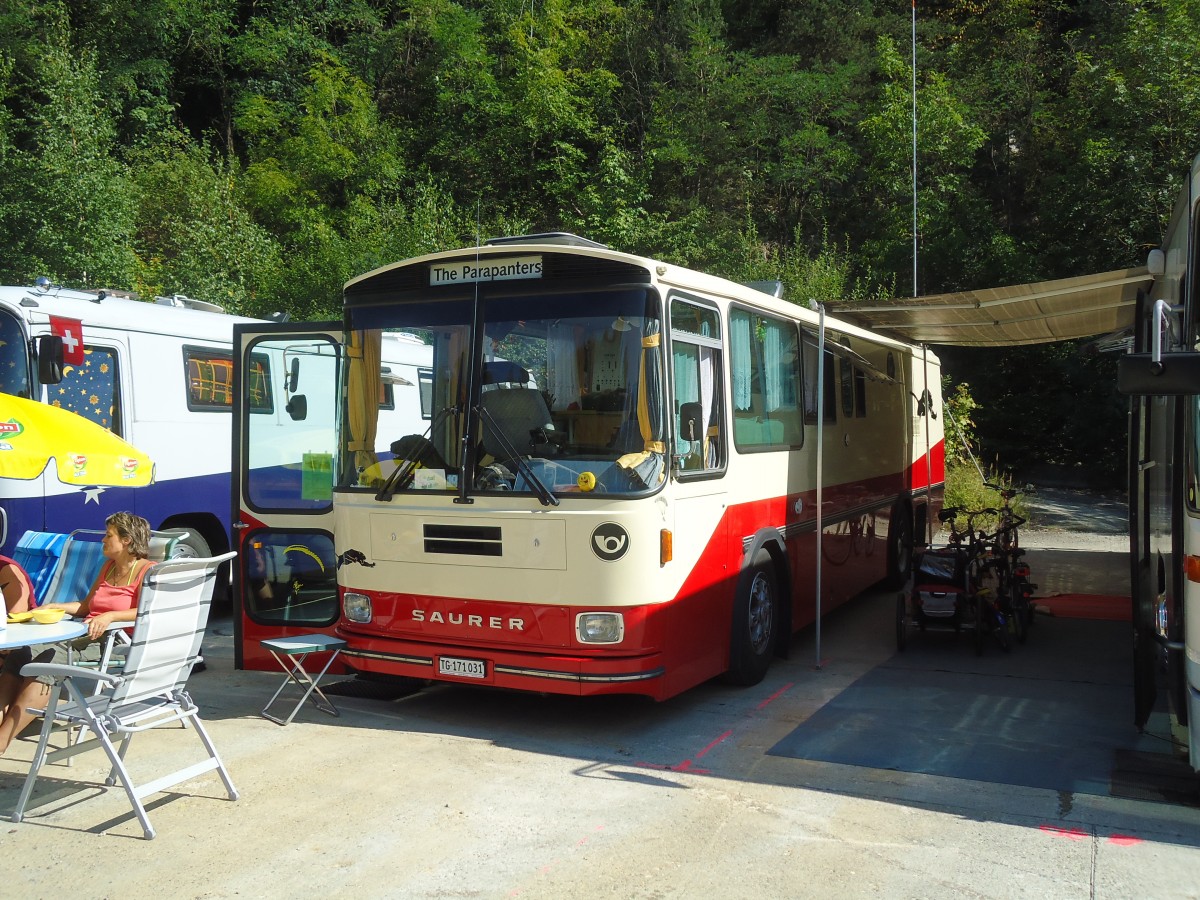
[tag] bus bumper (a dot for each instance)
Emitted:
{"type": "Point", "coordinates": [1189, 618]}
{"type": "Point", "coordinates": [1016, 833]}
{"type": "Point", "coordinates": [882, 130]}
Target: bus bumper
{"type": "Point", "coordinates": [538, 672]}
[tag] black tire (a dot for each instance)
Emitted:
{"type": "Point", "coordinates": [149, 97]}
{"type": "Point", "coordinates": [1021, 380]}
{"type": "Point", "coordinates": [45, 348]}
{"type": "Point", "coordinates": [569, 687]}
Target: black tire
{"type": "Point", "coordinates": [999, 626]}
{"type": "Point", "coordinates": [1027, 603]}
{"type": "Point", "coordinates": [977, 632]}
{"type": "Point", "coordinates": [901, 622]}
{"type": "Point", "coordinates": [899, 547]}
{"type": "Point", "coordinates": [1019, 610]}
{"type": "Point", "coordinates": [755, 623]}
{"type": "Point", "coordinates": [191, 545]}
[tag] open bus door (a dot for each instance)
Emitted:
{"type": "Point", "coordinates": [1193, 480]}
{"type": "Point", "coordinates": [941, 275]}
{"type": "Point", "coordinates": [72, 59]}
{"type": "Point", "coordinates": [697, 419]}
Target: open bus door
{"type": "Point", "coordinates": [286, 409]}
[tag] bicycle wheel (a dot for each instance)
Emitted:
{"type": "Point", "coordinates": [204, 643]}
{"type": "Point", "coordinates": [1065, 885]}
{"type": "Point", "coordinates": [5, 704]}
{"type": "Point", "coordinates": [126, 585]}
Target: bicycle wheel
{"type": "Point", "coordinates": [999, 625]}
{"type": "Point", "coordinates": [980, 624]}
{"type": "Point", "coordinates": [1019, 609]}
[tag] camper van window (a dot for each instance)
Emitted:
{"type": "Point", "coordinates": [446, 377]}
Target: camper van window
{"type": "Point", "coordinates": [387, 398]}
{"type": "Point", "coordinates": [210, 381]}
{"type": "Point", "coordinates": [93, 389]}
{"type": "Point", "coordinates": [425, 384]}
{"type": "Point", "coordinates": [14, 367]}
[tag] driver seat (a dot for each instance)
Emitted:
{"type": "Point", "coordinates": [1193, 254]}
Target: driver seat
{"type": "Point", "coordinates": [522, 416]}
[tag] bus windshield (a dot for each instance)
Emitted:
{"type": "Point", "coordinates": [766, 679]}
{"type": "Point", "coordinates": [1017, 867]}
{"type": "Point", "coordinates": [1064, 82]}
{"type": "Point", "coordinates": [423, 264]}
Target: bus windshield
{"type": "Point", "coordinates": [554, 394]}
{"type": "Point", "coordinates": [14, 365]}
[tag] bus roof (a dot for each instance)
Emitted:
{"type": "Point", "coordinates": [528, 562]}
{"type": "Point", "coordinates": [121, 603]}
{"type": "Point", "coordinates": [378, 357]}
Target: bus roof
{"type": "Point", "coordinates": [759, 294]}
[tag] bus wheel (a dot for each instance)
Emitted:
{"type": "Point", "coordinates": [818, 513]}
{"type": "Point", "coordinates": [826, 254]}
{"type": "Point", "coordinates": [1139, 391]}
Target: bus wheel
{"type": "Point", "coordinates": [191, 545]}
{"type": "Point", "coordinates": [899, 547]}
{"type": "Point", "coordinates": [755, 623]}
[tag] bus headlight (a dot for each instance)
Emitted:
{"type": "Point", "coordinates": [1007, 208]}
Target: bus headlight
{"type": "Point", "coordinates": [356, 607]}
{"type": "Point", "coordinates": [600, 627]}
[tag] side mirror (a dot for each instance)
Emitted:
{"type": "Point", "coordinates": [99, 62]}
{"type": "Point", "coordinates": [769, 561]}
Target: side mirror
{"type": "Point", "coordinates": [1171, 374]}
{"type": "Point", "coordinates": [293, 378]}
{"type": "Point", "coordinates": [297, 407]}
{"type": "Point", "coordinates": [691, 416]}
{"type": "Point", "coordinates": [49, 350]}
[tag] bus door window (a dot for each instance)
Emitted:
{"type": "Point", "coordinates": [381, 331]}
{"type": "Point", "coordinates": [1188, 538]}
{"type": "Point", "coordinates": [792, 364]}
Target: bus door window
{"type": "Point", "coordinates": [696, 371]}
{"type": "Point", "coordinates": [291, 578]}
{"type": "Point", "coordinates": [14, 363]}
{"type": "Point", "coordinates": [93, 390]}
{"type": "Point", "coordinates": [765, 366]}
{"type": "Point", "coordinates": [291, 457]}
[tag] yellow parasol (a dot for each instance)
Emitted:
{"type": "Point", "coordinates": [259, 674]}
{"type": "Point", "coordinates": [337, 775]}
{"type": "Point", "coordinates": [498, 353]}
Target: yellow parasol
{"type": "Point", "coordinates": [32, 434]}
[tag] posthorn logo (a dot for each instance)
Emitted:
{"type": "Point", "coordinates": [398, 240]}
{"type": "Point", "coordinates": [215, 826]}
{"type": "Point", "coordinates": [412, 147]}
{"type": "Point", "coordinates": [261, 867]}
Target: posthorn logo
{"type": "Point", "coordinates": [610, 541]}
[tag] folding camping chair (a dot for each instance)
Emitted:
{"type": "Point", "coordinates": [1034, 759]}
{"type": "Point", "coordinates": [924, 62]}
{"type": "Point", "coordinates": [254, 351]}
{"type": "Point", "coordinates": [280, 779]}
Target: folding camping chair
{"type": "Point", "coordinates": [173, 609]}
{"type": "Point", "coordinates": [38, 553]}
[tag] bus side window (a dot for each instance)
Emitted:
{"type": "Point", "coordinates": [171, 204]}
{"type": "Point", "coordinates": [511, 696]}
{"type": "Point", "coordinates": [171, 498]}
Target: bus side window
{"type": "Point", "coordinates": [699, 391]}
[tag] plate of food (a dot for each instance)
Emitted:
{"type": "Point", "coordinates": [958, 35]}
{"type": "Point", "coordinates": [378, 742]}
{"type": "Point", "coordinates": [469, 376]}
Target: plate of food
{"type": "Point", "coordinates": [17, 618]}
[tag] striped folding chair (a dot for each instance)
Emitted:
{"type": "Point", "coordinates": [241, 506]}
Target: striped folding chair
{"type": "Point", "coordinates": [172, 612]}
{"type": "Point", "coordinates": [38, 553]}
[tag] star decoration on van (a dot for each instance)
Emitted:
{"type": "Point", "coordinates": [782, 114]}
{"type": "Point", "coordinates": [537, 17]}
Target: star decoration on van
{"type": "Point", "coordinates": [92, 494]}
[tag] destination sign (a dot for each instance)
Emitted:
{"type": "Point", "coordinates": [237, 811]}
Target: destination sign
{"type": "Point", "coordinates": [511, 268]}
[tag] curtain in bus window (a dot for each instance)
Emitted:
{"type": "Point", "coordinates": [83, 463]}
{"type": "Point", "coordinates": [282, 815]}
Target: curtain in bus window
{"type": "Point", "coordinates": [362, 395]}
{"type": "Point", "coordinates": [687, 384]}
{"type": "Point", "coordinates": [708, 365]}
{"type": "Point", "coordinates": [563, 360]}
{"type": "Point", "coordinates": [91, 389]}
{"type": "Point", "coordinates": [779, 390]}
{"type": "Point", "coordinates": [742, 365]}
{"type": "Point", "coordinates": [650, 464]}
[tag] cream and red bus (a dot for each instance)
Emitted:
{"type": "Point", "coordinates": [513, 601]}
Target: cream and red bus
{"type": "Point", "coordinates": [617, 485]}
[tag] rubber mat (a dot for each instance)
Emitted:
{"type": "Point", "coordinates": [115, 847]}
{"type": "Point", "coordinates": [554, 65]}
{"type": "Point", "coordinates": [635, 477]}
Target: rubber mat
{"type": "Point", "coordinates": [1088, 606]}
{"type": "Point", "coordinates": [1051, 714]}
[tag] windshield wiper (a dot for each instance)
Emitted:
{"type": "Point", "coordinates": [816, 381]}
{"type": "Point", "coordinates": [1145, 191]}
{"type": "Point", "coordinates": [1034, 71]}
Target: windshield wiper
{"type": "Point", "coordinates": [544, 494]}
{"type": "Point", "coordinates": [402, 476]}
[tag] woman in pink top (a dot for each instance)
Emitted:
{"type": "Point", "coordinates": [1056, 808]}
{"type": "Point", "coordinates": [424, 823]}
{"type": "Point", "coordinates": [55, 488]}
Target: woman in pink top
{"type": "Point", "coordinates": [113, 598]}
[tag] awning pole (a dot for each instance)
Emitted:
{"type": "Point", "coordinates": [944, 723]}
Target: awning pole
{"type": "Point", "coordinates": [928, 462]}
{"type": "Point", "coordinates": [820, 458]}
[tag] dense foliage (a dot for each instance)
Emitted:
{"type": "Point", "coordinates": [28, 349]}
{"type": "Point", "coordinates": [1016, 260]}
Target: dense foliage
{"type": "Point", "coordinates": [258, 154]}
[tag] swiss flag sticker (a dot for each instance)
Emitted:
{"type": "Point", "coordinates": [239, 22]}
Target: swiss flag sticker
{"type": "Point", "coordinates": [71, 331]}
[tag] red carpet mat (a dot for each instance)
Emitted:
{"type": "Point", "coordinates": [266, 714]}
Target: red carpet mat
{"type": "Point", "coordinates": [1086, 606]}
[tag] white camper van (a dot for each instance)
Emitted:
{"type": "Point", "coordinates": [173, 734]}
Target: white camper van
{"type": "Point", "coordinates": [160, 375]}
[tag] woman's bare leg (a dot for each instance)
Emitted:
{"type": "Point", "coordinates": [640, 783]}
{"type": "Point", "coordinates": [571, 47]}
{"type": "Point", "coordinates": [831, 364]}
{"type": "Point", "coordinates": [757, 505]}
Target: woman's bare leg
{"type": "Point", "coordinates": [29, 692]}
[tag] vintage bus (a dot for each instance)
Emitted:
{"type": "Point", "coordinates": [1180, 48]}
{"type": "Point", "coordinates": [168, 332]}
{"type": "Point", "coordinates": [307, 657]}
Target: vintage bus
{"type": "Point", "coordinates": [160, 375]}
{"type": "Point", "coordinates": [1162, 375]}
{"type": "Point", "coordinates": [619, 485]}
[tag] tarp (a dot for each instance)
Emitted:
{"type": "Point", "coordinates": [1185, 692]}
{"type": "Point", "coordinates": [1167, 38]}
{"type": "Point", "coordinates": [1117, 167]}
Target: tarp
{"type": "Point", "coordinates": [1065, 309]}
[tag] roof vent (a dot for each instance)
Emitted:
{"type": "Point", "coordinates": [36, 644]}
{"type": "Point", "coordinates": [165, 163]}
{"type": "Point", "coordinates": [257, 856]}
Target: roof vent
{"type": "Point", "coordinates": [563, 238]}
{"type": "Point", "coordinates": [773, 288]}
{"type": "Point", "coordinates": [184, 302]}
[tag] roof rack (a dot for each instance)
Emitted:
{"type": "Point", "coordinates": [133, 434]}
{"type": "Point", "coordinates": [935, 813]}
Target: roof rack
{"type": "Point", "coordinates": [564, 238]}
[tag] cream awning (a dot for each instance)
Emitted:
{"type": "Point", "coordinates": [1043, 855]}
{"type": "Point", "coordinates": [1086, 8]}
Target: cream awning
{"type": "Point", "coordinates": [1062, 310]}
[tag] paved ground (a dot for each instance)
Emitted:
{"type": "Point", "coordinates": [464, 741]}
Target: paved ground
{"type": "Point", "coordinates": [457, 792]}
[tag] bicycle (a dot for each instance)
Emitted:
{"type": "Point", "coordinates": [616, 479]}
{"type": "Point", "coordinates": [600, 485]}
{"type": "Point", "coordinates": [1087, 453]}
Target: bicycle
{"type": "Point", "coordinates": [1012, 570]}
{"type": "Point", "coordinates": [948, 589]}
{"type": "Point", "coordinates": [991, 616]}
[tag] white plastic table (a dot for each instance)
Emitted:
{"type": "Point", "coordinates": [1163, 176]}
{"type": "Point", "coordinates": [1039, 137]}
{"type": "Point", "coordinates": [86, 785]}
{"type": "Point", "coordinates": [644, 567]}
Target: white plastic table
{"type": "Point", "coordinates": [26, 634]}
{"type": "Point", "coordinates": [290, 653]}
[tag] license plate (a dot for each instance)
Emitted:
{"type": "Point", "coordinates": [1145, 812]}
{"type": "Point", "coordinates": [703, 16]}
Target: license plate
{"type": "Point", "coordinates": [463, 668]}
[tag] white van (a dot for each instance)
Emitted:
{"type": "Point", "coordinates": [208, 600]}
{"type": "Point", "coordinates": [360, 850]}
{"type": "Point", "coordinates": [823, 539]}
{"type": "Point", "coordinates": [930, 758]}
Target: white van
{"type": "Point", "coordinates": [160, 375]}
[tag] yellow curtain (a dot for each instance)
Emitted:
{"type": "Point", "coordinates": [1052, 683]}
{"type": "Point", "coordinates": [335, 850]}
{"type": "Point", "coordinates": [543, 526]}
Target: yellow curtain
{"type": "Point", "coordinates": [364, 387]}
